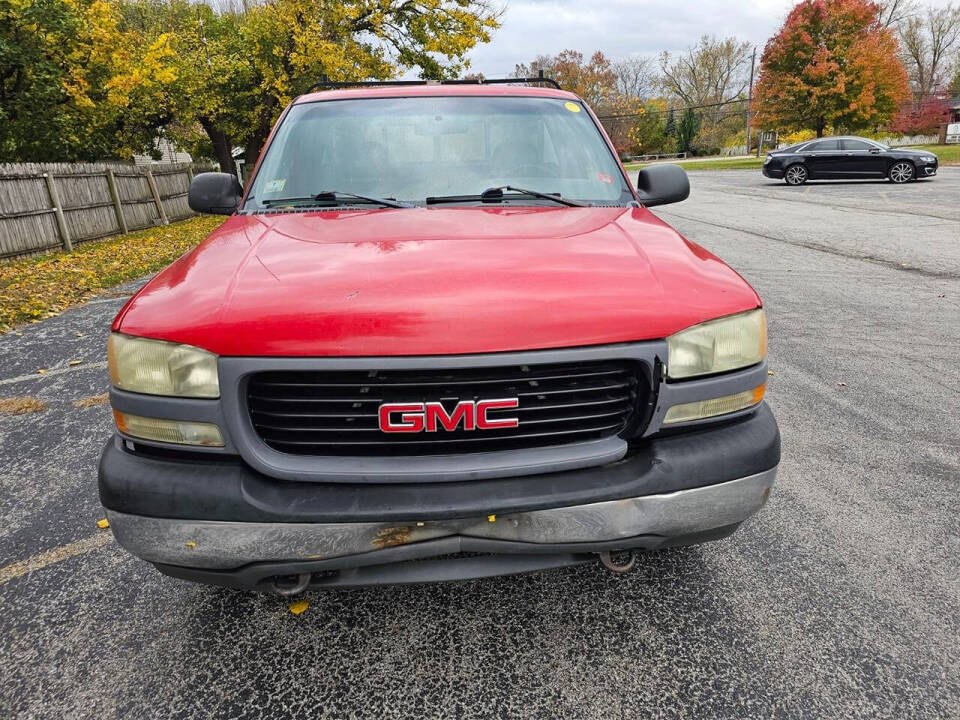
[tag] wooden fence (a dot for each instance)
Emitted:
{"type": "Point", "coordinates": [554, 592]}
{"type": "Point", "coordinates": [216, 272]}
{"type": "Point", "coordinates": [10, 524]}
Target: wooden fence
{"type": "Point", "coordinates": [48, 206]}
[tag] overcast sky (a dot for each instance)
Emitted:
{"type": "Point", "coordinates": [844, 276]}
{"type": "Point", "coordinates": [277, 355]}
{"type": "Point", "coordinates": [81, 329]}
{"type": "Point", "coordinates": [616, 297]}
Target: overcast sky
{"type": "Point", "coordinates": [622, 27]}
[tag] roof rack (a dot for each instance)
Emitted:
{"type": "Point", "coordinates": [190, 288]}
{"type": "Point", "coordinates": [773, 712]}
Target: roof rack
{"type": "Point", "coordinates": [326, 84]}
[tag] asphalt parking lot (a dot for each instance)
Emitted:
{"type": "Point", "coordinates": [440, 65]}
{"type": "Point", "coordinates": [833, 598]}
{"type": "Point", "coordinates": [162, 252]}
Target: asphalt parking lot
{"type": "Point", "coordinates": [841, 599]}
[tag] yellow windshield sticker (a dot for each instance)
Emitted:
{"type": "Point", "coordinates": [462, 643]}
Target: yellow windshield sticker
{"type": "Point", "coordinates": [572, 107]}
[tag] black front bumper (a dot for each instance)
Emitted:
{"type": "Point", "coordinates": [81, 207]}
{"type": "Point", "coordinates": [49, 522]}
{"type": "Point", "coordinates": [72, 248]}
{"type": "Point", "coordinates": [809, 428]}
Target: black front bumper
{"type": "Point", "coordinates": [231, 491]}
{"type": "Point", "coordinates": [221, 522]}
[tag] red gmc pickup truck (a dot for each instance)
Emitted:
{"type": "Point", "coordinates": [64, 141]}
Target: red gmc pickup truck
{"type": "Point", "coordinates": [440, 336]}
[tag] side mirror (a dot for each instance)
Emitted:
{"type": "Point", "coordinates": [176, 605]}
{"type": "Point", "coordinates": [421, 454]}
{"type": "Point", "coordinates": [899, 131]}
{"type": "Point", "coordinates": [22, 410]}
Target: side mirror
{"type": "Point", "coordinates": [215, 193]}
{"type": "Point", "coordinates": [662, 184]}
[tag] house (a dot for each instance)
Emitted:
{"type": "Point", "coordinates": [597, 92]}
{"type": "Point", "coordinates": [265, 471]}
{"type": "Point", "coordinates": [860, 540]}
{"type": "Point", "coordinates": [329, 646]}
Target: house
{"type": "Point", "coordinates": [168, 154]}
{"type": "Point", "coordinates": [954, 105]}
{"type": "Point", "coordinates": [950, 131]}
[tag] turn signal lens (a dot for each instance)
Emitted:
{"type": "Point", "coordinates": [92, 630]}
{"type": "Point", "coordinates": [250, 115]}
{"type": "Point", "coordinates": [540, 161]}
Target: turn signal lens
{"type": "Point", "coordinates": [716, 346]}
{"type": "Point", "coordinates": [171, 431]}
{"type": "Point", "coordinates": [156, 367]}
{"type": "Point", "coordinates": [714, 406]}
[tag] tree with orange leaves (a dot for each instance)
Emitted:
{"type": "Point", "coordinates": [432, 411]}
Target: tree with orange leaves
{"type": "Point", "coordinates": [832, 64]}
{"type": "Point", "coordinates": [594, 80]}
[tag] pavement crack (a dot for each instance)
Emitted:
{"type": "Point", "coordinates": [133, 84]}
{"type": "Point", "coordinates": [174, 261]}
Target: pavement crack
{"type": "Point", "coordinates": [940, 275]}
{"type": "Point", "coordinates": [874, 208]}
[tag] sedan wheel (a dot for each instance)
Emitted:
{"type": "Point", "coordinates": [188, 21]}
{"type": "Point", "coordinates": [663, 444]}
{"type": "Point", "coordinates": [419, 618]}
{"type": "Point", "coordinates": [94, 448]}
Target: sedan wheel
{"type": "Point", "coordinates": [901, 172]}
{"type": "Point", "coordinates": [796, 175]}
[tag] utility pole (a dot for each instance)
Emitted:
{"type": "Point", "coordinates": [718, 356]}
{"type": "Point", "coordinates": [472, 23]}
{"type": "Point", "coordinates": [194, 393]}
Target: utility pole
{"type": "Point", "coordinates": [753, 62]}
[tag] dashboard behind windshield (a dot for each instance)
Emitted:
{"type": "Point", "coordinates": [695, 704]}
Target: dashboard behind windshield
{"type": "Point", "coordinates": [413, 148]}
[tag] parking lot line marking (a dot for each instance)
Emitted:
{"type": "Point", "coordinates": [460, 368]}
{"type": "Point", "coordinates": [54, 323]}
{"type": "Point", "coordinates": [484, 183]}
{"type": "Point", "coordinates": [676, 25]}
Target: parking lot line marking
{"type": "Point", "coordinates": [117, 298]}
{"type": "Point", "coordinates": [52, 373]}
{"type": "Point", "coordinates": [52, 557]}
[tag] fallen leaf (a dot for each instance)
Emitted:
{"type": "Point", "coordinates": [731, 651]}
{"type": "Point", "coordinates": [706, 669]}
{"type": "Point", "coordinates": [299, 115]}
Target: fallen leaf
{"type": "Point", "coordinates": [191, 544]}
{"type": "Point", "coordinates": [92, 401]}
{"type": "Point", "coordinates": [299, 606]}
{"type": "Point", "coordinates": [769, 372]}
{"type": "Point", "coordinates": [43, 286]}
{"type": "Point", "coordinates": [76, 362]}
{"type": "Point", "coordinates": [840, 384]}
{"type": "Point", "coordinates": [42, 371]}
{"type": "Point", "coordinates": [103, 523]}
{"type": "Point", "coordinates": [21, 405]}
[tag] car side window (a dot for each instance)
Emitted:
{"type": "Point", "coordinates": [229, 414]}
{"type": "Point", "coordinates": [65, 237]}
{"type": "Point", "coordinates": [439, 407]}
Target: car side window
{"type": "Point", "coordinates": [857, 145]}
{"type": "Point", "coordinates": [823, 146]}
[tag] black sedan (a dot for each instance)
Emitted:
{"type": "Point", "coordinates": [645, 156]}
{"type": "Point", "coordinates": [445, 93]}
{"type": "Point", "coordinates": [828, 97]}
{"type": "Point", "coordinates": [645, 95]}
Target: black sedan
{"type": "Point", "coordinates": [848, 158]}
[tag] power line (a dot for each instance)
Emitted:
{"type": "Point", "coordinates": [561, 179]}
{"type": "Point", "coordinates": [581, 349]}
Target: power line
{"type": "Point", "coordinates": [669, 110]}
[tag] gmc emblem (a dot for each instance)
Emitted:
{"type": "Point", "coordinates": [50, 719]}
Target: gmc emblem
{"type": "Point", "coordinates": [432, 416]}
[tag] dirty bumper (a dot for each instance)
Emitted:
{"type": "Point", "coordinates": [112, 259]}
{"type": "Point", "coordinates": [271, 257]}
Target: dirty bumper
{"type": "Point", "coordinates": [284, 548]}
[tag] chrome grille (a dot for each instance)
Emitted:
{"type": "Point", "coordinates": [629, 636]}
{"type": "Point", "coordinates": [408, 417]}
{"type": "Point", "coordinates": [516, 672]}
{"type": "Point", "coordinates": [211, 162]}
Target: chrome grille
{"type": "Point", "coordinates": [335, 412]}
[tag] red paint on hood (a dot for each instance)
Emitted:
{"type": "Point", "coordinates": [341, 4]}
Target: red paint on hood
{"type": "Point", "coordinates": [433, 281]}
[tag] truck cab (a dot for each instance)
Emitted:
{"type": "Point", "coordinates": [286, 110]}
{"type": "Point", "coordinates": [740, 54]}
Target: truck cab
{"type": "Point", "coordinates": [438, 336]}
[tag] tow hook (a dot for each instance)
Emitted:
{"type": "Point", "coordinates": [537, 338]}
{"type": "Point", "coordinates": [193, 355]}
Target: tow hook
{"type": "Point", "coordinates": [620, 568]}
{"type": "Point", "coordinates": [303, 580]}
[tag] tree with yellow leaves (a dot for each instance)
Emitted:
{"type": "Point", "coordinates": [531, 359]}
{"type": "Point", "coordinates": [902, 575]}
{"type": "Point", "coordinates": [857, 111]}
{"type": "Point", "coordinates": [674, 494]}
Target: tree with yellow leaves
{"type": "Point", "coordinates": [88, 79]}
{"type": "Point", "coordinates": [54, 64]}
{"type": "Point", "coordinates": [278, 50]}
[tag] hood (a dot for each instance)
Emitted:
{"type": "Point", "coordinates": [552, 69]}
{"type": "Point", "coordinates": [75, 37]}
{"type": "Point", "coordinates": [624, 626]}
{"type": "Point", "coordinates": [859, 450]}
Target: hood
{"type": "Point", "coordinates": [434, 281]}
{"type": "Point", "coordinates": [910, 152]}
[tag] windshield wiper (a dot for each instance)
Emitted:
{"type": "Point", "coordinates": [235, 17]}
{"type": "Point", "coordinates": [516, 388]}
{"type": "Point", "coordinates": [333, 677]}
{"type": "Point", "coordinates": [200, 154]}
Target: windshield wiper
{"type": "Point", "coordinates": [496, 193]}
{"type": "Point", "coordinates": [331, 197]}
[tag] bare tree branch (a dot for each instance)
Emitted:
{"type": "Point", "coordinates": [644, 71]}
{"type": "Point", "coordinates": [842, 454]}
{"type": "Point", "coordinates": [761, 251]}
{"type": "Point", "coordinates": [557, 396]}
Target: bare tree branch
{"type": "Point", "coordinates": [710, 71]}
{"type": "Point", "coordinates": [929, 43]}
{"type": "Point", "coordinates": [636, 77]}
{"type": "Point", "coordinates": [894, 12]}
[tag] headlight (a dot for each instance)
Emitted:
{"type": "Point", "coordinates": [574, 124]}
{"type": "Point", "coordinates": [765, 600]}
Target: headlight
{"type": "Point", "coordinates": [155, 367]}
{"type": "Point", "coordinates": [719, 345]}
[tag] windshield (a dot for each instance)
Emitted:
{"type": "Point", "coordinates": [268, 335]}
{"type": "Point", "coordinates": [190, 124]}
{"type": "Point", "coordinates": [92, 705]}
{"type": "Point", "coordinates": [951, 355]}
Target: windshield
{"type": "Point", "coordinates": [414, 148]}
